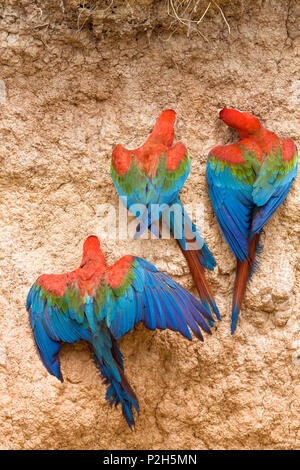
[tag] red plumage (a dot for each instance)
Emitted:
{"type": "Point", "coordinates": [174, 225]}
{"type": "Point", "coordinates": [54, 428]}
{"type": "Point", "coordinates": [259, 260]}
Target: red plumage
{"type": "Point", "coordinates": [93, 270]}
{"type": "Point", "coordinates": [148, 155]}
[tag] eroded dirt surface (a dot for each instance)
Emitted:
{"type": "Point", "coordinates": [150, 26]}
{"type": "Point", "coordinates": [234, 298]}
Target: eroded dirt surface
{"type": "Point", "coordinates": [75, 82]}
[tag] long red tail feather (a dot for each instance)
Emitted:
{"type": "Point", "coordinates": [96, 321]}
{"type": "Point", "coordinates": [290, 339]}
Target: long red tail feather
{"type": "Point", "coordinates": [198, 274]}
{"type": "Point", "coordinates": [243, 270]}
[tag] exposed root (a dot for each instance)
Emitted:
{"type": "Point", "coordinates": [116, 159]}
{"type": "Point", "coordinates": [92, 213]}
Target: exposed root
{"type": "Point", "coordinates": [186, 12]}
{"type": "Point", "coordinates": [88, 11]}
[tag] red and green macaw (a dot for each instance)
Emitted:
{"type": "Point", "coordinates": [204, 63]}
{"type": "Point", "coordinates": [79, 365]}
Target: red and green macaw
{"type": "Point", "coordinates": [152, 175]}
{"type": "Point", "coordinates": [247, 181]}
{"type": "Point", "coordinates": [100, 304]}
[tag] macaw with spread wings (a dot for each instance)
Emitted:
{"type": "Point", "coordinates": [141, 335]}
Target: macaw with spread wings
{"type": "Point", "coordinates": [247, 182]}
{"type": "Point", "coordinates": [152, 175]}
{"type": "Point", "coordinates": [100, 304]}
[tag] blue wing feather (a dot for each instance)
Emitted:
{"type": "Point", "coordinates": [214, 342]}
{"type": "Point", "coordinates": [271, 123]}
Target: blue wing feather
{"type": "Point", "coordinates": [233, 206]}
{"type": "Point", "coordinates": [150, 297]}
{"type": "Point", "coordinates": [158, 301]}
{"type": "Point", "coordinates": [159, 313]}
{"type": "Point", "coordinates": [50, 329]}
{"type": "Point", "coordinates": [270, 196]}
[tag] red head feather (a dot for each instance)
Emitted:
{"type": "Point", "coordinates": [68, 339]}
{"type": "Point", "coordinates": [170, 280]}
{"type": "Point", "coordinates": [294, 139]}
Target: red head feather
{"type": "Point", "coordinates": [92, 250]}
{"type": "Point", "coordinates": [249, 127]}
{"type": "Point", "coordinates": [158, 143]}
{"type": "Point", "coordinates": [244, 123]}
{"type": "Point", "coordinates": [164, 128]}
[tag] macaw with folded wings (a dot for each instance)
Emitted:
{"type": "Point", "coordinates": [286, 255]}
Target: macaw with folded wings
{"type": "Point", "coordinates": [152, 175]}
{"type": "Point", "coordinates": [247, 182]}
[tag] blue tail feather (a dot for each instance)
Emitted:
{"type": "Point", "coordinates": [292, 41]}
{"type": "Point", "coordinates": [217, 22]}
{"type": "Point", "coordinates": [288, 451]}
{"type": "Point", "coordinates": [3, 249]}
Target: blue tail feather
{"type": "Point", "coordinates": [188, 229]}
{"type": "Point", "coordinates": [234, 317]}
{"type": "Point", "coordinates": [206, 258]}
{"type": "Point", "coordinates": [118, 392]}
{"type": "Point", "coordinates": [258, 252]}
